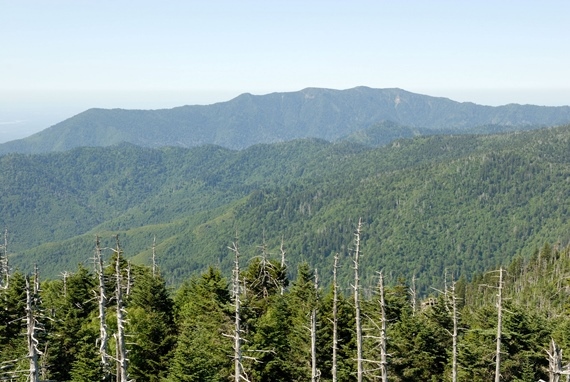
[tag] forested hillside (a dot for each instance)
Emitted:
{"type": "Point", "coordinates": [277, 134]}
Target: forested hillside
{"type": "Point", "coordinates": [278, 117]}
{"type": "Point", "coordinates": [461, 203]}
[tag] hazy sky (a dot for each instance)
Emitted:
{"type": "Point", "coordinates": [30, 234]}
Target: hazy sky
{"type": "Point", "coordinates": [60, 57]}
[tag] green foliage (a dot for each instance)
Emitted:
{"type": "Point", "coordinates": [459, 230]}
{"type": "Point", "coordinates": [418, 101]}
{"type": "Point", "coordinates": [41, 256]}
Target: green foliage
{"type": "Point", "coordinates": [71, 303]}
{"type": "Point", "coordinates": [86, 366]}
{"type": "Point", "coordinates": [462, 203]}
{"type": "Point", "coordinates": [418, 349]}
{"type": "Point", "coordinates": [151, 322]}
{"type": "Point", "coordinates": [346, 353]}
{"type": "Point", "coordinates": [202, 352]}
{"type": "Point", "coordinates": [12, 325]}
{"type": "Point", "coordinates": [189, 339]}
{"type": "Point", "coordinates": [271, 344]}
{"type": "Point", "coordinates": [248, 120]}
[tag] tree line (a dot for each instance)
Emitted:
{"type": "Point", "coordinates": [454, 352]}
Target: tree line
{"type": "Point", "coordinates": [117, 321]}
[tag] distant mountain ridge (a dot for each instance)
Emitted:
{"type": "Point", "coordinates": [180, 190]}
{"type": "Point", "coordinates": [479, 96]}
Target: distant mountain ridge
{"type": "Point", "coordinates": [251, 119]}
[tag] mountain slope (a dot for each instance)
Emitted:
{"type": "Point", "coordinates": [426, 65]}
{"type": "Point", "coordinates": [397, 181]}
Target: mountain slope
{"type": "Point", "coordinates": [463, 203]}
{"type": "Point", "coordinates": [247, 120]}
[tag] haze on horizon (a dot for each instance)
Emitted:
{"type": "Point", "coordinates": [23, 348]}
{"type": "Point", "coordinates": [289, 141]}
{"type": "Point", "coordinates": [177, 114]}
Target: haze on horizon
{"type": "Point", "coordinates": [63, 57]}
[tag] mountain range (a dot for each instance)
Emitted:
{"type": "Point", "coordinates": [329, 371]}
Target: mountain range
{"type": "Point", "coordinates": [435, 189]}
{"type": "Point", "coordinates": [249, 119]}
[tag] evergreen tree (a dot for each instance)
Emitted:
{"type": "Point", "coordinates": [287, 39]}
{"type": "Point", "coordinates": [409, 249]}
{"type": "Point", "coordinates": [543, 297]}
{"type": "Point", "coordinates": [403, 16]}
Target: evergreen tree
{"type": "Point", "coordinates": [346, 339]}
{"type": "Point", "coordinates": [202, 352]}
{"type": "Point", "coordinates": [69, 304]}
{"type": "Point", "coordinates": [418, 349]}
{"type": "Point", "coordinates": [151, 322]}
{"type": "Point", "coordinates": [302, 299]}
{"type": "Point", "coordinates": [86, 366]}
{"type": "Point", "coordinates": [13, 354]}
{"type": "Point", "coordinates": [271, 346]}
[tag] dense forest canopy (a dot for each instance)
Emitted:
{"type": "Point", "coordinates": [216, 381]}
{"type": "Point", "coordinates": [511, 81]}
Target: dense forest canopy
{"type": "Point", "coordinates": [287, 327]}
{"type": "Point", "coordinates": [461, 203]}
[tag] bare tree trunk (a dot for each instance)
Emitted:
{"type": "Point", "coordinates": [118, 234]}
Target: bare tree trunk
{"type": "Point", "coordinates": [64, 276]}
{"type": "Point", "coordinates": [554, 362]}
{"type": "Point", "coordinates": [314, 371]}
{"type": "Point", "coordinates": [102, 297]}
{"type": "Point", "coordinates": [36, 281]}
{"type": "Point", "coordinates": [499, 326]}
{"type": "Point", "coordinates": [356, 288]}
{"type": "Point", "coordinates": [4, 268]}
{"type": "Point", "coordinates": [383, 354]}
{"type": "Point", "coordinates": [154, 268]}
{"type": "Point", "coordinates": [129, 279]}
{"type": "Point", "coordinates": [282, 248]}
{"type": "Point", "coordinates": [454, 333]}
{"type": "Point", "coordinates": [31, 334]}
{"type": "Point", "coordinates": [413, 295]}
{"type": "Point", "coordinates": [335, 320]}
{"type": "Point", "coordinates": [121, 345]}
{"type": "Point", "coordinates": [237, 322]}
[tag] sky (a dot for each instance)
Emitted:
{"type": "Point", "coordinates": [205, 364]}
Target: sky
{"type": "Point", "coordinates": [61, 57]}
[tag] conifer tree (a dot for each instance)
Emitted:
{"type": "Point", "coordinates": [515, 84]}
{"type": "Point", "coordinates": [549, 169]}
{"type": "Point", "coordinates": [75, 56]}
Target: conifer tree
{"type": "Point", "coordinates": [346, 344]}
{"type": "Point", "coordinates": [151, 324]}
{"type": "Point", "coordinates": [202, 352]}
{"type": "Point", "coordinates": [302, 300]}
{"type": "Point", "coordinates": [13, 357]}
{"type": "Point", "coordinates": [70, 307]}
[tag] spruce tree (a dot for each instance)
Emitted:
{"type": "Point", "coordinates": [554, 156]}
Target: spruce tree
{"type": "Point", "coordinates": [202, 352]}
{"type": "Point", "coordinates": [70, 306]}
{"type": "Point", "coordinates": [151, 322]}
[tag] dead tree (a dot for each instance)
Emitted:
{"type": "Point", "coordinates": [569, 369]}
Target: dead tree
{"type": "Point", "coordinates": [36, 281]}
{"type": "Point", "coordinates": [499, 326]}
{"type": "Point", "coordinates": [453, 299]}
{"type": "Point", "coordinates": [64, 276]}
{"type": "Point", "coordinates": [129, 280]}
{"type": "Point", "coordinates": [554, 362]}
{"type": "Point", "coordinates": [315, 373]}
{"type": "Point", "coordinates": [335, 319]}
{"type": "Point", "coordinates": [356, 288]}
{"type": "Point", "coordinates": [4, 269]}
{"type": "Point", "coordinates": [283, 265]}
{"type": "Point", "coordinates": [413, 295]}
{"type": "Point", "coordinates": [382, 364]}
{"type": "Point", "coordinates": [102, 300]}
{"type": "Point", "coordinates": [154, 267]}
{"type": "Point", "coordinates": [33, 352]}
{"type": "Point", "coordinates": [122, 360]}
{"type": "Point", "coordinates": [237, 323]}
{"type": "Point", "coordinates": [269, 275]}
{"type": "Point", "coordinates": [383, 354]}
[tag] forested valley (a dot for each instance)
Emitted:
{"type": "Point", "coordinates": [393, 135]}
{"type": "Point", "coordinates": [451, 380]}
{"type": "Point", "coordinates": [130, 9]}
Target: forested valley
{"type": "Point", "coordinates": [462, 203]}
{"type": "Point", "coordinates": [207, 264]}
